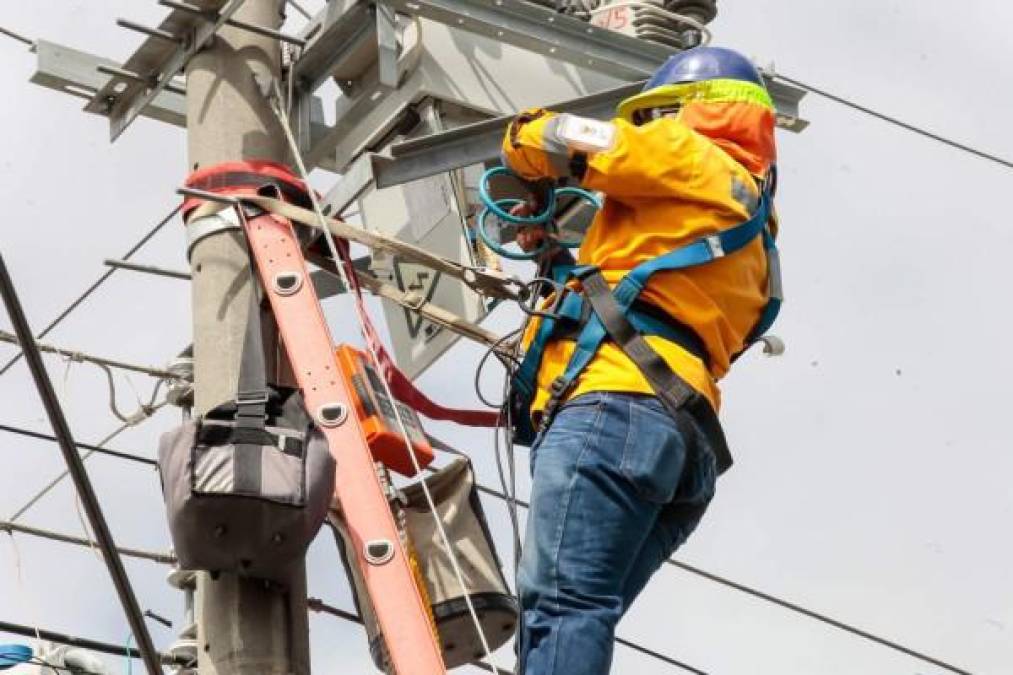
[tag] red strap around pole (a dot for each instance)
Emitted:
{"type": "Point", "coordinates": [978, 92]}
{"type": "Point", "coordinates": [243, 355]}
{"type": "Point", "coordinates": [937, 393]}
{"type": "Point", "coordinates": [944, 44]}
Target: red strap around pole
{"type": "Point", "coordinates": [237, 178]}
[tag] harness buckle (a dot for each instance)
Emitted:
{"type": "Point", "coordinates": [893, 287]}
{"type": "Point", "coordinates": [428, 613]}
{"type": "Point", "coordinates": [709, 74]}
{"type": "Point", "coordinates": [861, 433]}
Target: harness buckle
{"type": "Point", "coordinates": [714, 244]}
{"type": "Point", "coordinates": [558, 387]}
{"type": "Point", "coordinates": [251, 397]}
{"type": "Point", "coordinates": [556, 392]}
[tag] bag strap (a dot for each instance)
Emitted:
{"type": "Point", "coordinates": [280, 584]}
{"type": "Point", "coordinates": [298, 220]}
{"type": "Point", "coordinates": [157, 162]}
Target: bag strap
{"type": "Point", "coordinates": [251, 392]}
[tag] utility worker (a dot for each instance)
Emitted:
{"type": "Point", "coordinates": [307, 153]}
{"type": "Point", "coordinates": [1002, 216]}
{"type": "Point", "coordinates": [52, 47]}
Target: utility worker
{"type": "Point", "coordinates": [628, 449]}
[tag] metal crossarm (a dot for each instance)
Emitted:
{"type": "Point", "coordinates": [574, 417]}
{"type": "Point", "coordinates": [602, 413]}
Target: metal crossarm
{"type": "Point", "coordinates": [154, 65]}
{"type": "Point", "coordinates": [480, 142]}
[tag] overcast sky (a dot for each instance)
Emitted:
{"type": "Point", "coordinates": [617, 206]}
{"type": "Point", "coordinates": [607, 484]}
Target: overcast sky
{"type": "Point", "coordinates": [873, 459]}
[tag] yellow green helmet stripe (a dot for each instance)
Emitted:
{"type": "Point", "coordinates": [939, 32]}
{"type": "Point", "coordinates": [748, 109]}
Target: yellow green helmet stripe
{"type": "Point", "coordinates": [710, 91]}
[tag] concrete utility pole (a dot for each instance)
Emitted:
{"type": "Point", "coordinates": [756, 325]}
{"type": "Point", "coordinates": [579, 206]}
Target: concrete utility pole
{"type": "Point", "coordinates": [243, 627]}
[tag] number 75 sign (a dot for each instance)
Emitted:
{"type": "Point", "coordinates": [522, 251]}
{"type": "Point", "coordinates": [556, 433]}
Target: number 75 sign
{"type": "Point", "coordinates": [614, 18]}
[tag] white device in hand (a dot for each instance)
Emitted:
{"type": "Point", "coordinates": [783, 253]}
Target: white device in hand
{"type": "Point", "coordinates": [584, 134]}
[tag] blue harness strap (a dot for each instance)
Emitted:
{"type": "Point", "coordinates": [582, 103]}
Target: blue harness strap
{"type": "Point", "coordinates": [623, 319]}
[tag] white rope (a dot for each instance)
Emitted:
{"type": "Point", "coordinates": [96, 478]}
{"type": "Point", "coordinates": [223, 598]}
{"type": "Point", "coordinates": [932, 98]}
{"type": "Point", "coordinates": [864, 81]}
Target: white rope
{"type": "Point", "coordinates": [64, 398]}
{"type": "Point", "coordinates": [26, 597]}
{"type": "Point", "coordinates": [339, 264]}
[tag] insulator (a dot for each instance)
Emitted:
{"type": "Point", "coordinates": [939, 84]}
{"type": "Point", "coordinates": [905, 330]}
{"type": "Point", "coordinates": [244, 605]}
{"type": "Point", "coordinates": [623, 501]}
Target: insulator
{"type": "Point", "coordinates": [703, 11]}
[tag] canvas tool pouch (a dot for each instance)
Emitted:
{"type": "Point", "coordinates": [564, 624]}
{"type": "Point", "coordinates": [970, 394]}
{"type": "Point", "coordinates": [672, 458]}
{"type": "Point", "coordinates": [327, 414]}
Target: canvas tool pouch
{"type": "Point", "coordinates": [460, 511]}
{"type": "Point", "coordinates": [247, 486]}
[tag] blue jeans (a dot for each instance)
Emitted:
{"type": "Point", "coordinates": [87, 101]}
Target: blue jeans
{"type": "Point", "coordinates": [616, 489]}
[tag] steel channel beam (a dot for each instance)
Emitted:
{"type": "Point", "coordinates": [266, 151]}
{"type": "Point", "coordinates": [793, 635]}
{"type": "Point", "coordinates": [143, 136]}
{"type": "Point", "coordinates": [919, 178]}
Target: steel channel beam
{"type": "Point", "coordinates": [77, 73]}
{"type": "Point", "coordinates": [474, 143]}
{"type": "Point", "coordinates": [546, 32]}
{"type": "Point", "coordinates": [76, 468]}
{"type": "Point", "coordinates": [353, 184]}
{"type": "Point", "coordinates": [480, 142]}
{"type": "Point", "coordinates": [341, 29]}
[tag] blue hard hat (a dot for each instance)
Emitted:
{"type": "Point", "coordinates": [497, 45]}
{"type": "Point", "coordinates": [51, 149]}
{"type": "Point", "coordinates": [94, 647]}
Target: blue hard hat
{"type": "Point", "coordinates": [705, 63]}
{"type": "Point", "coordinates": [692, 68]}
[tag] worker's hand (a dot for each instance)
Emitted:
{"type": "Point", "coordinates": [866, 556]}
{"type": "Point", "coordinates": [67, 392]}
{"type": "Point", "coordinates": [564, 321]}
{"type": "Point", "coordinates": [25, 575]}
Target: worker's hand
{"type": "Point", "coordinates": [529, 237]}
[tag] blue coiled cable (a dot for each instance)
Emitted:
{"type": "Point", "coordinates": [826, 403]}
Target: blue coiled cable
{"type": "Point", "coordinates": [500, 209]}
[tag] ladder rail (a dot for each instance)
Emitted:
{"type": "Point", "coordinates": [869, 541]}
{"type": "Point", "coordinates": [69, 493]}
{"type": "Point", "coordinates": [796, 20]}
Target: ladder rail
{"type": "Point", "coordinates": [411, 640]}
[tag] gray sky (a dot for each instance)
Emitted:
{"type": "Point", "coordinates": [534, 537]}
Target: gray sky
{"type": "Point", "coordinates": [873, 459]}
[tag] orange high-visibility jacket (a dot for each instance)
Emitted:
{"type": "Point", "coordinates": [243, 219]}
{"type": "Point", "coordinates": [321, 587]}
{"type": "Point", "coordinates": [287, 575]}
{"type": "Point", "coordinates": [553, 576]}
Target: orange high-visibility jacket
{"type": "Point", "coordinates": [667, 183]}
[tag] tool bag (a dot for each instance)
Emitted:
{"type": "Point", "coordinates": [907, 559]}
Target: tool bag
{"type": "Point", "coordinates": [460, 511]}
{"type": "Point", "coordinates": [248, 485]}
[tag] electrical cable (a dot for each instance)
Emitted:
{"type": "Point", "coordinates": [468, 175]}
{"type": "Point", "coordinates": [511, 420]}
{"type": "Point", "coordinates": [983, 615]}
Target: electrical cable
{"type": "Point", "coordinates": [78, 356]}
{"type": "Point", "coordinates": [148, 412]}
{"type": "Point", "coordinates": [80, 446]}
{"type": "Point", "coordinates": [823, 618]}
{"type": "Point", "coordinates": [25, 597]}
{"type": "Point", "coordinates": [502, 495]}
{"type": "Point", "coordinates": [659, 656]}
{"type": "Point", "coordinates": [896, 122]}
{"type": "Point", "coordinates": [17, 36]}
{"type": "Point", "coordinates": [85, 643]}
{"type": "Point", "coordinates": [318, 605]}
{"type": "Point", "coordinates": [491, 350]}
{"type": "Point", "coordinates": [506, 428]}
{"type": "Point", "coordinates": [340, 262]}
{"type": "Point", "coordinates": [75, 466]}
{"type": "Point", "coordinates": [784, 604]}
{"type": "Point", "coordinates": [163, 558]}
{"type": "Point", "coordinates": [63, 399]}
{"type": "Point", "coordinates": [546, 218]}
{"type": "Point", "coordinates": [295, 5]}
{"type": "Point", "coordinates": [91, 289]}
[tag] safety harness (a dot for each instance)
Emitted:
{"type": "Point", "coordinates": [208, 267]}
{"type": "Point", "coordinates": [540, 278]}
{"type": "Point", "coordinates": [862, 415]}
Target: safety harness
{"type": "Point", "coordinates": [597, 313]}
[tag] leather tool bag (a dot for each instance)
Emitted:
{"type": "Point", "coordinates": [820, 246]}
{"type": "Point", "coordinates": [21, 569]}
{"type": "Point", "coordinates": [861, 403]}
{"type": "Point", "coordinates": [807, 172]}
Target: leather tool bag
{"type": "Point", "coordinates": [459, 508]}
{"type": "Point", "coordinates": [248, 485]}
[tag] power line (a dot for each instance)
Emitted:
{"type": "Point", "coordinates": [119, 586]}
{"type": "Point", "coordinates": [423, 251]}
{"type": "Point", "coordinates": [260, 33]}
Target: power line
{"type": "Point", "coordinates": [81, 446]}
{"type": "Point", "coordinates": [817, 616]}
{"type": "Point", "coordinates": [767, 597]}
{"type": "Point", "coordinates": [779, 602]}
{"type": "Point", "coordinates": [91, 289]}
{"type": "Point", "coordinates": [896, 122]}
{"type": "Point", "coordinates": [56, 481]}
{"type": "Point", "coordinates": [17, 36]}
{"type": "Point", "coordinates": [621, 641]}
{"type": "Point", "coordinates": [75, 355]}
{"type": "Point", "coordinates": [756, 593]}
{"type": "Point", "coordinates": [298, 8]}
{"type": "Point", "coordinates": [12, 528]}
{"type": "Point", "coordinates": [85, 643]}
{"type": "Point", "coordinates": [657, 655]}
{"type": "Point", "coordinates": [77, 471]}
{"type": "Point", "coordinates": [318, 605]}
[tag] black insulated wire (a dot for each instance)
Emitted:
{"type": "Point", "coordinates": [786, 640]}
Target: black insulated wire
{"type": "Point", "coordinates": [95, 286]}
{"type": "Point", "coordinates": [78, 473]}
{"type": "Point", "coordinates": [897, 122]}
{"type": "Point", "coordinates": [80, 446]}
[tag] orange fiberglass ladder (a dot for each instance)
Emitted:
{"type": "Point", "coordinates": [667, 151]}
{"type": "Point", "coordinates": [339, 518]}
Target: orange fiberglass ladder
{"type": "Point", "coordinates": [363, 493]}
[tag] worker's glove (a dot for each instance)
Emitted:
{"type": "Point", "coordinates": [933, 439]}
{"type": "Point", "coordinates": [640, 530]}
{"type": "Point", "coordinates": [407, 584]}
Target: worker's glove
{"type": "Point", "coordinates": [530, 147]}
